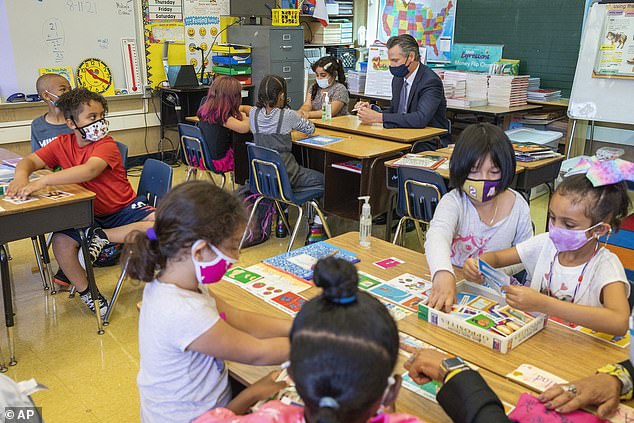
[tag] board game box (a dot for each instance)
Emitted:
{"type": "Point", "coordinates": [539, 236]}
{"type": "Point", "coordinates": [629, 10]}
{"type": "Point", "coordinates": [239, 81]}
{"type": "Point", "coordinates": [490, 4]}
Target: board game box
{"type": "Point", "coordinates": [483, 317]}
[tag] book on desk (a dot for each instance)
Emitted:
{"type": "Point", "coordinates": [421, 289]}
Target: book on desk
{"type": "Point", "coordinates": [426, 161]}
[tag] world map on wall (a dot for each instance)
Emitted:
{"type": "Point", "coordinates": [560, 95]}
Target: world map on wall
{"type": "Point", "coordinates": [431, 22]}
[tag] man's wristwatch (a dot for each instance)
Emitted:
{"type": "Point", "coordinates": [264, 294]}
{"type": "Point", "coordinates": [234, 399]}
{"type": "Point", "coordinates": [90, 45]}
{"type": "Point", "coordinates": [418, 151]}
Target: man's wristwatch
{"type": "Point", "coordinates": [450, 366]}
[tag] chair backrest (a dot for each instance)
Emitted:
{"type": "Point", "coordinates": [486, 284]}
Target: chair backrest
{"type": "Point", "coordinates": [267, 174]}
{"type": "Point", "coordinates": [419, 191]}
{"type": "Point", "coordinates": [123, 149]}
{"type": "Point", "coordinates": [156, 180]}
{"type": "Point", "coordinates": [194, 147]}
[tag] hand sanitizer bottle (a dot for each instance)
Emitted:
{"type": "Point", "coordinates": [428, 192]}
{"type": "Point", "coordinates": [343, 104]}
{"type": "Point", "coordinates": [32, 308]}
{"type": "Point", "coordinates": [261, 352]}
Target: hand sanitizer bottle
{"type": "Point", "coordinates": [326, 108]}
{"type": "Point", "coordinates": [365, 223]}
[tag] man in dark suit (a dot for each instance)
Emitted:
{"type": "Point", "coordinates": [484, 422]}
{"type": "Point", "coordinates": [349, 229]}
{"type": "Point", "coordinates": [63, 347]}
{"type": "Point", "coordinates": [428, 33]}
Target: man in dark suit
{"type": "Point", "coordinates": [418, 97]}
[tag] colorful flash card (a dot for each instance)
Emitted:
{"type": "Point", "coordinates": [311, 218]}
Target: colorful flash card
{"type": "Point", "coordinates": [619, 341]}
{"type": "Point", "coordinates": [481, 303]}
{"type": "Point", "coordinates": [290, 302]}
{"type": "Point", "coordinates": [56, 195]}
{"type": "Point", "coordinates": [19, 200]}
{"type": "Point", "coordinates": [388, 262]}
{"type": "Point", "coordinates": [411, 283]}
{"type": "Point", "coordinates": [413, 302]}
{"type": "Point", "coordinates": [495, 279]}
{"type": "Point", "coordinates": [429, 390]}
{"type": "Point", "coordinates": [241, 275]}
{"type": "Point", "coordinates": [481, 321]}
{"type": "Point", "coordinates": [367, 281]}
{"type": "Point", "coordinates": [390, 293]}
{"type": "Point", "coordinates": [534, 378]}
{"type": "Point", "coordinates": [397, 312]}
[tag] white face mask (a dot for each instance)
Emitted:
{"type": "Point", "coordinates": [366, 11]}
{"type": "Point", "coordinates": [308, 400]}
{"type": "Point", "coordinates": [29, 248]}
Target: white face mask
{"type": "Point", "coordinates": [323, 83]}
{"type": "Point", "coordinates": [94, 131]}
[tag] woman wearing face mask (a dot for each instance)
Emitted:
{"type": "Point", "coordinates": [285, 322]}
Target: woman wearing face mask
{"type": "Point", "coordinates": [571, 275]}
{"type": "Point", "coordinates": [185, 334]}
{"type": "Point", "coordinates": [480, 214]}
{"type": "Point", "coordinates": [331, 80]}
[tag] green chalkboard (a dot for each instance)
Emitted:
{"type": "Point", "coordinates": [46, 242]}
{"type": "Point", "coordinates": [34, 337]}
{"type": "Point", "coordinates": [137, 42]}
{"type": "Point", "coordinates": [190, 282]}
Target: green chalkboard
{"type": "Point", "coordinates": [544, 34]}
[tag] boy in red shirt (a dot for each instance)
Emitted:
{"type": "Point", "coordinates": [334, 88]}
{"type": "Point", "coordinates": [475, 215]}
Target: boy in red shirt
{"type": "Point", "coordinates": [91, 158]}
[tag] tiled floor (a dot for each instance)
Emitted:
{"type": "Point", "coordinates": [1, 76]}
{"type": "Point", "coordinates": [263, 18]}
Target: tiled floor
{"type": "Point", "coordinates": [92, 378]}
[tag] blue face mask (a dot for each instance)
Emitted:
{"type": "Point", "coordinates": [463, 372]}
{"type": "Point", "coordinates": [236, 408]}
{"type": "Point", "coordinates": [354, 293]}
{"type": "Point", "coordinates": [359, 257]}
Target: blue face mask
{"type": "Point", "coordinates": [400, 71]}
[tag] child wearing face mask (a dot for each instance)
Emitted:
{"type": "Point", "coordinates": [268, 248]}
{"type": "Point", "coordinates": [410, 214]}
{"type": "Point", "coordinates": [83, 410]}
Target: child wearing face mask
{"type": "Point", "coordinates": [47, 127]}
{"type": "Point", "coordinates": [342, 363]}
{"type": "Point", "coordinates": [91, 158]}
{"type": "Point", "coordinates": [480, 214]}
{"type": "Point", "coordinates": [571, 275]}
{"type": "Point", "coordinates": [186, 333]}
{"type": "Point", "coordinates": [331, 80]}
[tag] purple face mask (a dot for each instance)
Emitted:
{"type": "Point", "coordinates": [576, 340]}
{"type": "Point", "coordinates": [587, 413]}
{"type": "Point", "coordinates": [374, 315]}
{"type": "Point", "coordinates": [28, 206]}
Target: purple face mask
{"type": "Point", "coordinates": [481, 190]}
{"type": "Point", "coordinates": [569, 239]}
{"type": "Point", "coordinates": [211, 271]}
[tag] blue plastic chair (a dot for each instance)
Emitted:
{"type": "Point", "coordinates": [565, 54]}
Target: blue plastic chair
{"type": "Point", "coordinates": [155, 182]}
{"type": "Point", "coordinates": [419, 192]}
{"type": "Point", "coordinates": [269, 178]}
{"type": "Point", "coordinates": [123, 149]}
{"type": "Point", "coordinates": [195, 152]}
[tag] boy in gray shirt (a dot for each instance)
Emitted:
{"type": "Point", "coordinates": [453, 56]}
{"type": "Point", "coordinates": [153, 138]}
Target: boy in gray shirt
{"type": "Point", "coordinates": [47, 127]}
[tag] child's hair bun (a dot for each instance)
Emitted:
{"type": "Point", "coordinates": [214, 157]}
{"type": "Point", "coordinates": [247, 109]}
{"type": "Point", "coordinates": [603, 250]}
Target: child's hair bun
{"type": "Point", "coordinates": [338, 279]}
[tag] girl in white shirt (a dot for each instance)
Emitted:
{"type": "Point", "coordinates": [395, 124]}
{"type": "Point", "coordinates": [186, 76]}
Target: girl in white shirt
{"type": "Point", "coordinates": [571, 275]}
{"type": "Point", "coordinates": [185, 333]}
{"type": "Point", "coordinates": [480, 214]}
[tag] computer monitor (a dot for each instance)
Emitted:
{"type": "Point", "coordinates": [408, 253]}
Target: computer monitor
{"type": "Point", "coordinates": [183, 76]}
{"type": "Point", "coordinates": [257, 8]}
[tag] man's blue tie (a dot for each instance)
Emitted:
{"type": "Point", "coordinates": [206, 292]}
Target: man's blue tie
{"type": "Point", "coordinates": [402, 105]}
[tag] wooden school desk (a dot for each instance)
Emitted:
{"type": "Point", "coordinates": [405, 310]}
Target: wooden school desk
{"type": "Point", "coordinates": [343, 187]}
{"type": "Point", "coordinates": [561, 351]}
{"type": "Point", "coordinates": [501, 115]}
{"type": "Point", "coordinates": [352, 124]}
{"type": "Point", "coordinates": [20, 221]}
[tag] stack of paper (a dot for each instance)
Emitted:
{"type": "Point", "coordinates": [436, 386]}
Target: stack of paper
{"type": "Point", "coordinates": [533, 83]}
{"type": "Point", "coordinates": [477, 84]}
{"type": "Point", "coordinates": [508, 90]}
{"type": "Point", "coordinates": [356, 82]}
{"type": "Point", "coordinates": [346, 29]}
{"type": "Point", "coordinates": [455, 84]}
{"type": "Point", "coordinates": [331, 34]}
{"type": "Point", "coordinates": [544, 95]}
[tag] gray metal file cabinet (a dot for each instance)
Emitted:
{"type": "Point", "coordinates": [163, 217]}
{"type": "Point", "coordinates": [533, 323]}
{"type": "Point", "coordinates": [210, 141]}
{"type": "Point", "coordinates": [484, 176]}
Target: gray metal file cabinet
{"type": "Point", "coordinates": [276, 50]}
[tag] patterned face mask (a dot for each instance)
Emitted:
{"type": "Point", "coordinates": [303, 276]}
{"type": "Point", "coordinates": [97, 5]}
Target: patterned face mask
{"type": "Point", "coordinates": [94, 131]}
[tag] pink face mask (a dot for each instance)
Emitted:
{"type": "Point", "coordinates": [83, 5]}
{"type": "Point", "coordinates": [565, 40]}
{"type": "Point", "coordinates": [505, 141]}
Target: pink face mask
{"type": "Point", "coordinates": [211, 271]}
{"type": "Point", "coordinates": [569, 239]}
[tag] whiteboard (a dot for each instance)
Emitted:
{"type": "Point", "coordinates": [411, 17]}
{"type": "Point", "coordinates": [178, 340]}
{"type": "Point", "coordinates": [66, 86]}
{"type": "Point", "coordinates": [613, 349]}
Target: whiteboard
{"type": "Point", "coordinates": [598, 99]}
{"type": "Point", "coordinates": [55, 33]}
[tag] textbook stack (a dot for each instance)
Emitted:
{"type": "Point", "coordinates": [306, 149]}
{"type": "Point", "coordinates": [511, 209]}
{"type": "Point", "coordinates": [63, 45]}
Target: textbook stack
{"type": "Point", "coordinates": [544, 95]}
{"type": "Point", "coordinates": [346, 29]}
{"type": "Point", "coordinates": [477, 85]}
{"type": "Point", "coordinates": [331, 34]}
{"type": "Point", "coordinates": [356, 82]}
{"type": "Point", "coordinates": [533, 83]}
{"type": "Point", "coordinates": [455, 84]}
{"type": "Point", "coordinates": [508, 90]}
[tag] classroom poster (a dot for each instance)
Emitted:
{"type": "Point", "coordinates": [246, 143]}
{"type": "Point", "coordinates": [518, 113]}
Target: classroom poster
{"type": "Point", "coordinates": [615, 58]}
{"type": "Point", "coordinates": [65, 71]}
{"type": "Point", "coordinates": [431, 22]}
{"type": "Point", "coordinates": [202, 25]}
{"type": "Point", "coordinates": [474, 57]}
{"type": "Point", "coordinates": [378, 82]}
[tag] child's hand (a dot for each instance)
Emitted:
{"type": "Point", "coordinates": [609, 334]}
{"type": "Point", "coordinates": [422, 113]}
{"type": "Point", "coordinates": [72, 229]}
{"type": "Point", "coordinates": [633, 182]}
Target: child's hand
{"type": "Point", "coordinates": [16, 185]}
{"type": "Point", "coordinates": [24, 191]}
{"type": "Point", "coordinates": [443, 291]}
{"type": "Point", "coordinates": [524, 298]}
{"type": "Point", "coordinates": [472, 270]}
{"type": "Point", "coordinates": [266, 387]}
{"type": "Point", "coordinates": [424, 364]}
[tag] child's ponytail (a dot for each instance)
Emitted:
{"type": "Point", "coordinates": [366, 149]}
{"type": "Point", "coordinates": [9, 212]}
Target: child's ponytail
{"type": "Point", "coordinates": [143, 255]}
{"type": "Point", "coordinates": [341, 73]}
{"type": "Point", "coordinates": [327, 415]}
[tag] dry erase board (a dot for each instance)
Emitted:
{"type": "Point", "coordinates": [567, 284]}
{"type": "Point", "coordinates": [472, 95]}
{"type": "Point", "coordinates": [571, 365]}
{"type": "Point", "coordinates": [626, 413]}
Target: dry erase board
{"type": "Point", "coordinates": [58, 33]}
{"type": "Point", "coordinates": [600, 99]}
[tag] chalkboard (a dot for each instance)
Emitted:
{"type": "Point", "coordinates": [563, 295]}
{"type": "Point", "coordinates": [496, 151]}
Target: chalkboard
{"type": "Point", "coordinates": [599, 99]}
{"type": "Point", "coordinates": [58, 33]}
{"type": "Point", "coordinates": [543, 34]}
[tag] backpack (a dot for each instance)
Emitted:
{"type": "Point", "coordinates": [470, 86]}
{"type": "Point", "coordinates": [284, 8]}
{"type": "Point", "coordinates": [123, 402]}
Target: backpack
{"type": "Point", "coordinates": [109, 256]}
{"type": "Point", "coordinates": [260, 228]}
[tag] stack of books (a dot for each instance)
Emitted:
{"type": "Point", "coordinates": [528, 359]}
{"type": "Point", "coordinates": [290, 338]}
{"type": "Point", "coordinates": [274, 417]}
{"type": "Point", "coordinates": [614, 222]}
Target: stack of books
{"type": "Point", "coordinates": [346, 29]}
{"type": "Point", "coordinates": [533, 83]}
{"type": "Point", "coordinates": [477, 86]}
{"type": "Point", "coordinates": [530, 152]}
{"type": "Point", "coordinates": [356, 82]}
{"type": "Point", "coordinates": [508, 90]}
{"type": "Point", "coordinates": [331, 34]}
{"type": "Point", "coordinates": [544, 95]}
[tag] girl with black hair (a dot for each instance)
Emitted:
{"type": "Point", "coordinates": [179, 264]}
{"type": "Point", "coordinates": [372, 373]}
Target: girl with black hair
{"type": "Point", "coordinates": [344, 346]}
{"type": "Point", "coordinates": [331, 80]}
{"type": "Point", "coordinates": [185, 332]}
{"type": "Point", "coordinates": [480, 214]}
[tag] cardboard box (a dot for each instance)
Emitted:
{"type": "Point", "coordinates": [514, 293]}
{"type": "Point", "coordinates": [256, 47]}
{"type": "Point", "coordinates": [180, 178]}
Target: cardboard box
{"type": "Point", "coordinates": [483, 317]}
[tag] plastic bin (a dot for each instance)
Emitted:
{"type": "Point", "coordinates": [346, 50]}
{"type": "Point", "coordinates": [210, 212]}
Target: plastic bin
{"type": "Point", "coordinates": [548, 139]}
